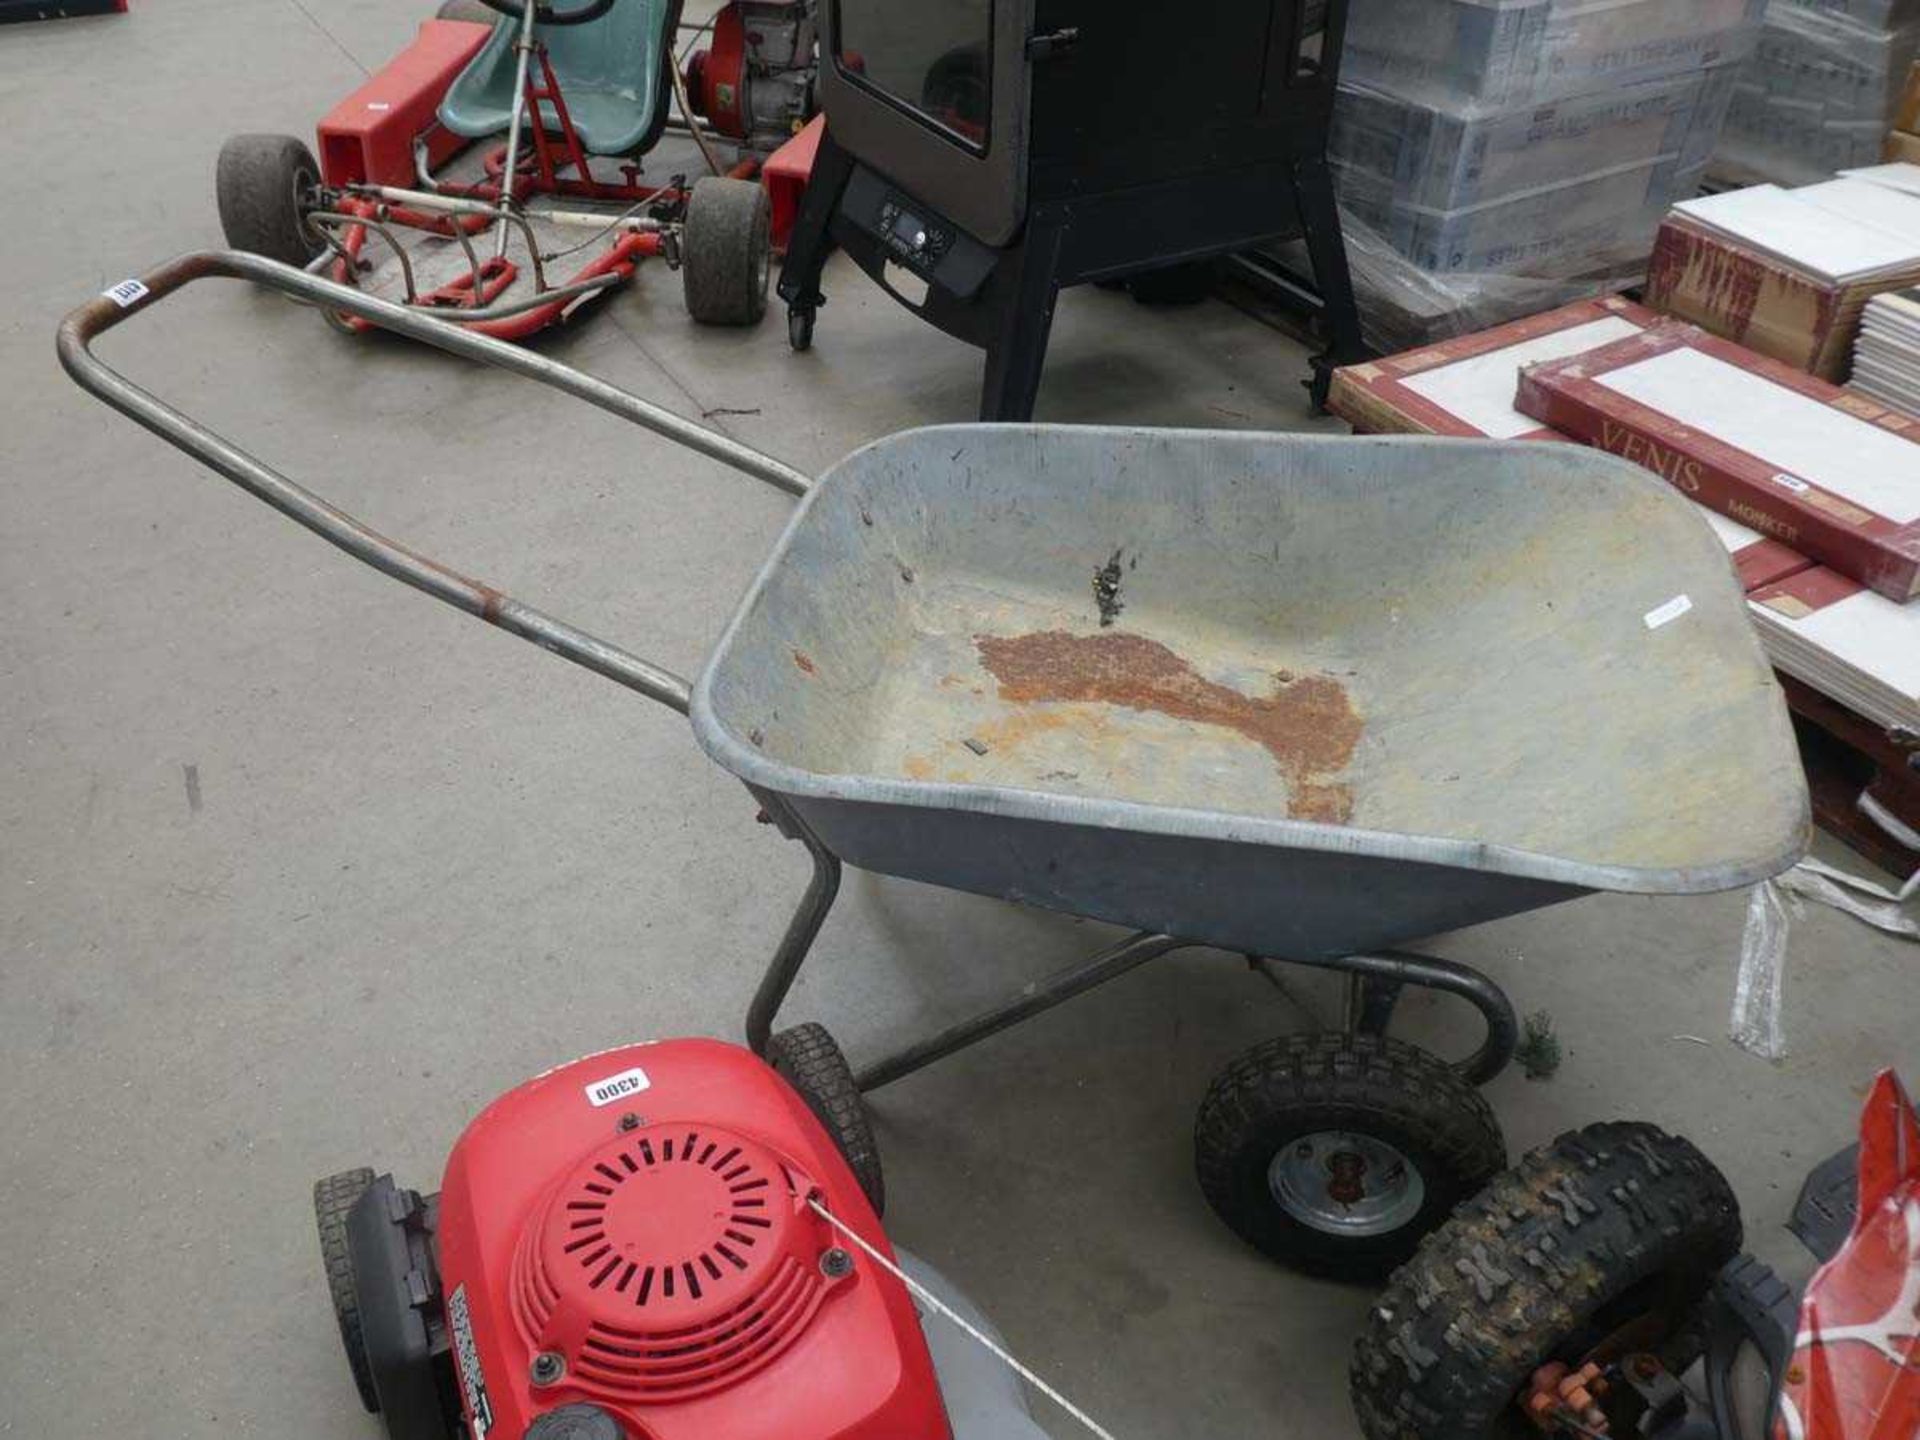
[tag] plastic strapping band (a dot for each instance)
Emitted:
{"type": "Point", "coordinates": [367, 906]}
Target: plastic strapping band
{"type": "Point", "coordinates": [939, 1307]}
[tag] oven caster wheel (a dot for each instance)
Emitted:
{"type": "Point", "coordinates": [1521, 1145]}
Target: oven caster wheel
{"type": "Point", "coordinates": [800, 327]}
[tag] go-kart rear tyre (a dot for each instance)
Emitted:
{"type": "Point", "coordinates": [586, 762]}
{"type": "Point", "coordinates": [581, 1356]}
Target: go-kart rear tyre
{"type": "Point", "coordinates": [726, 251]}
{"type": "Point", "coordinates": [1335, 1154]}
{"type": "Point", "coordinates": [807, 1058]}
{"type": "Point", "coordinates": [263, 185]}
{"type": "Point", "coordinates": [1612, 1230]}
{"type": "Point", "coordinates": [333, 1201]}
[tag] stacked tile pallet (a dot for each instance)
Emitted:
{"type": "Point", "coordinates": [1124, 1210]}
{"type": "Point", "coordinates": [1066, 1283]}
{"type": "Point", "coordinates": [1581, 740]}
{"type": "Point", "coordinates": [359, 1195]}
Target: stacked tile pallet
{"type": "Point", "coordinates": [1822, 87]}
{"type": "Point", "coordinates": [1497, 156]}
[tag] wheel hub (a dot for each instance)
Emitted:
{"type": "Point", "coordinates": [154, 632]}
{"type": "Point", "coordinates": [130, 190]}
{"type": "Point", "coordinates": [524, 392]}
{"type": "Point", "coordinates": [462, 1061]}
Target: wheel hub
{"type": "Point", "coordinates": [1345, 1183]}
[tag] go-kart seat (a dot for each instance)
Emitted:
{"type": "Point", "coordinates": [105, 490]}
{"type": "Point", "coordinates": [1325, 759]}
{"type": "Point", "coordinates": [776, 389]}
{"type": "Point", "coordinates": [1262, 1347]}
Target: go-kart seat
{"type": "Point", "coordinates": [611, 72]}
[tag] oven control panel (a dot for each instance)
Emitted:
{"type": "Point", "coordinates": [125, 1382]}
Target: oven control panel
{"type": "Point", "coordinates": [914, 239]}
{"type": "Point", "coordinates": [911, 233]}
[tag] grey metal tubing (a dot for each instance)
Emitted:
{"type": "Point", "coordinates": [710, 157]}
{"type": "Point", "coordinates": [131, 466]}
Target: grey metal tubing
{"type": "Point", "coordinates": [1056, 989]}
{"type": "Point", "coordinates": [808, 916]}
{"type": "Point", "coordinates": [467, 315]}
{"type": "Point", "coordinates": [1396, 968]}
{"type": "Point", "coordinates": [449, 205]}
{"type": "Point", "coordinates": [460, 315]}
{"type": "Point", "coordinates": [334, 217]}
{"type": "Point", "coordinates": [102, 313]}
{"type": "Point", "coordinates": [523, 59]}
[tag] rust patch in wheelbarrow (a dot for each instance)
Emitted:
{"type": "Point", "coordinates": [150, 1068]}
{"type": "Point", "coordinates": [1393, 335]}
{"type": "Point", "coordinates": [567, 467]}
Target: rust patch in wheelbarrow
{"type": "Point", "coordinates": [1308, 724]}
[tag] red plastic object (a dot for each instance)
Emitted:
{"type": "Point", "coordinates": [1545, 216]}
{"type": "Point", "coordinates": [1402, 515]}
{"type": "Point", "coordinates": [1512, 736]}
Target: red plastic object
{"type": "Point", "coordinates": [367, 139]}
{"type": "Point", "coordinates": [723, 73]}
{"type": "Point", "coordinates": [785, 175]}
{"type": "Point", "coordinates": [642, 1214]}
{"type": "Point", "coordinates": [1856, 1363]}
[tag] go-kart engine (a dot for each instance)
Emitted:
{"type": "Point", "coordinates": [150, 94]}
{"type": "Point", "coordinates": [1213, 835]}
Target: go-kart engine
{"type": "Point", "coordinates": [755, 82]}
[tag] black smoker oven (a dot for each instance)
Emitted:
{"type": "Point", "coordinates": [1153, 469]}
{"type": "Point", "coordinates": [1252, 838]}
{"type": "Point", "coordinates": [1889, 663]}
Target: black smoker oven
{"type": "Point", "coordinates": [981, 154]}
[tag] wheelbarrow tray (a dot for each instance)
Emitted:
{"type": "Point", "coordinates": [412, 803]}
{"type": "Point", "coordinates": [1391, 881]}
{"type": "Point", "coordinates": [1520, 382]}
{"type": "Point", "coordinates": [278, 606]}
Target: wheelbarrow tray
{"type": "Point", "coordinates": [1346, 693]}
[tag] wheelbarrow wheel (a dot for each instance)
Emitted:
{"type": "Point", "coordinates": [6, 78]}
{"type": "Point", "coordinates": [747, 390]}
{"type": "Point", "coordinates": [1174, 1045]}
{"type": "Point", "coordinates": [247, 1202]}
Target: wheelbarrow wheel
{"type": "Point", "coordinates": [726, 248]}
{"type": "Point", "coordinates": [807, 1058]}
{"type": "Point", "coordinates": [1600, 1244]}
{"type": "Point", "coordinates": [475, 12]}
{"type": "Point", "coordinates": [264, 186]}
{"type": "Point", "coordinates": [333, 1200]}
{"type": "Point", "coordinates": [1335, 1154]}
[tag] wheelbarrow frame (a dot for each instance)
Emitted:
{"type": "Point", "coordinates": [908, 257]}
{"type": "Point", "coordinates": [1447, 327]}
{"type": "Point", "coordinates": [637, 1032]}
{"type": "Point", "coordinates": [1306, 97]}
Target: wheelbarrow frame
{"type": "Point", "coordinates": [1375, 981]}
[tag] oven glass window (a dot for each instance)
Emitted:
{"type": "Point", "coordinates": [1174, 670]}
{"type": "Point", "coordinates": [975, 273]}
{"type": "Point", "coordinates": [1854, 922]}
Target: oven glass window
{"type": "Point", "coordinates": [931, 56]}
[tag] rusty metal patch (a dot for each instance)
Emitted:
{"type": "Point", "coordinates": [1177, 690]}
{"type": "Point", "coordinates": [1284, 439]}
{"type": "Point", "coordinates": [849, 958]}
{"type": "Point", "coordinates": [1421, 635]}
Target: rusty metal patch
{"type": "Point", "coordinates": [1308, 724]}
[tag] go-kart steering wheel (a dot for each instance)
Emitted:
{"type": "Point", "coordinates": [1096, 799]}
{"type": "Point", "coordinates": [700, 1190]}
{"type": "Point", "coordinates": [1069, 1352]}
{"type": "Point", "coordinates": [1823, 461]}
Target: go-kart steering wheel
{"type": "Point", "coordinates": [547, 15]}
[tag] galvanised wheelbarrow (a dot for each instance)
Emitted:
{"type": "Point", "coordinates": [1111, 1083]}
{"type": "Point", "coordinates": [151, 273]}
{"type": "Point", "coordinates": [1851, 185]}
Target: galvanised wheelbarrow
{"type": "Point", "coordinates": [1300, 698]}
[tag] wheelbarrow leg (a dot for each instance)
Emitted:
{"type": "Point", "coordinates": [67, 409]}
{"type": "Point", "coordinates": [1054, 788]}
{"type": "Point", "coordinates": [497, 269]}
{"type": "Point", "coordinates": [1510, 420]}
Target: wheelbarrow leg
{"type": "Point", "coordinates": [1370, 1004]}
{"type": "Point", "coordinates": [1056, 989]}
{"type": "Point", "coordinates": [1381, 977]}
{"type": "Point", "coordinates": [808, 917]}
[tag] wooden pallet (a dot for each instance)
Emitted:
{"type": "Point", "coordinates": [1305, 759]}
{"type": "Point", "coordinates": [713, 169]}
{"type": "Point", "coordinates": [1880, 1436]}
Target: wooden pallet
{"type": "Point", "coordinates": [1847, 756]}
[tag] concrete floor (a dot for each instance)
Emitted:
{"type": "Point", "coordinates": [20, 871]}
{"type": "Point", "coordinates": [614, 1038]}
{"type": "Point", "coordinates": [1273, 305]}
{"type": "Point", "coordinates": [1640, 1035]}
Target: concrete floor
{"type": "Point", "coordinates": [425, 861]}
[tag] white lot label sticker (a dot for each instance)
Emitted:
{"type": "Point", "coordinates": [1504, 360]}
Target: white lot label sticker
{"type": "Point", "coordinates": [1672, 610]}
{"type": "Point", "coordinates": [1791, 482]}
{"type": "Point", "coordinates": [125, 293]}
{"type": "Point", "coordinates": [473, 1385]}
{"type": "Point", "coordinates": [617, 1087]}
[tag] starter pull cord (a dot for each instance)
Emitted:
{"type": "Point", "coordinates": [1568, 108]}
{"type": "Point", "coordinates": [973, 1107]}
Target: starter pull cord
{"type": "Point", "coordinates": [940, 1307]}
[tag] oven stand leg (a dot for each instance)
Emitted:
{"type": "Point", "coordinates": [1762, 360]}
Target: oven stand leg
{"type": "Point", "coordinates": [1320, 219]}
{"type": "Point", "coordinates": [808, 917]}
{"type": "Point", "coordinates": [1056, 989]}
{"type": "Point", "coordinates": [1029, 287]}
{"type": "Point", "coordinates": [811, 242]}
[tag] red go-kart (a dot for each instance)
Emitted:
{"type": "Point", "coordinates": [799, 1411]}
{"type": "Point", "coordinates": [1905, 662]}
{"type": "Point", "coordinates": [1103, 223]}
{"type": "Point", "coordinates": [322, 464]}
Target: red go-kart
{"type": "Point", "coordinates": [509, 138]}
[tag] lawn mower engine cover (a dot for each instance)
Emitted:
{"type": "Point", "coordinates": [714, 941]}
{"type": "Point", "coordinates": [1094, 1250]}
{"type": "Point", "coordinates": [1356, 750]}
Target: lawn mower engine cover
{"type": "Point", "coordinates": [626, 1252]}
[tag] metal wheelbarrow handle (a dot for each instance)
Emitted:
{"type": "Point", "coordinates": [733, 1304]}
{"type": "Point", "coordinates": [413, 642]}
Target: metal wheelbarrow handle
{"type": "Point", "coordinates": [569, 642]}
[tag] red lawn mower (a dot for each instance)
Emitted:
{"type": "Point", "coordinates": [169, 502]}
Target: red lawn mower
{"type": "Point", "coordinates": [508, 138]}
{"type": "Point", "coordinates": [657, 1242]}
{"type": "Point", "coordinates": [1571, 1295]}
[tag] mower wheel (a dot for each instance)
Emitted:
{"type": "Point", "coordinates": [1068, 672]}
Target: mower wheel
{"type": "Point", "coordinates": [263, 185]}
{"type": "Point", "coordinates": [474, 12]}
{"type": "Point", "coordinates": [807, 1058]}
{"type": "Point", "coordinates": [1600, 1244]}
{"type": "Point", "coordinates": [333, 1200]}
{"type": "Point", "coordinates": [725, 251]}
{"type": "Point", "coordinates": [1336, 1153]}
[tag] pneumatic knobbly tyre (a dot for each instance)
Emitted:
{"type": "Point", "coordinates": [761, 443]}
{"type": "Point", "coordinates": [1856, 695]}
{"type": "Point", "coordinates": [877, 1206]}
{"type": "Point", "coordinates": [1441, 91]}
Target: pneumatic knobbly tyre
{"type": "Point", "coordinates": [1611, 1231]}
{"type": "Point", "coordinates": [726, 250]}
{"type": "Point", "coordinates": [1334, 1154]}
{"type": "Point", "coordinates": [262, 185]}
{"type": "Point", "coordinates": [807, 1058]}
{"type": "Point", "coordinates": [333, 1200]}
